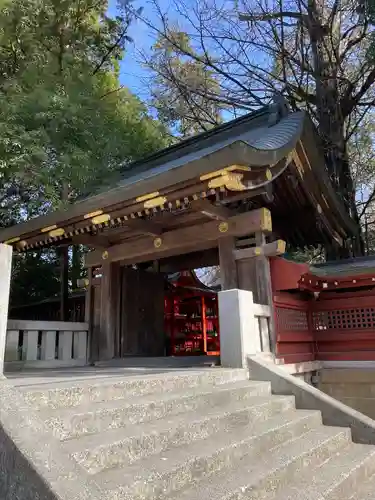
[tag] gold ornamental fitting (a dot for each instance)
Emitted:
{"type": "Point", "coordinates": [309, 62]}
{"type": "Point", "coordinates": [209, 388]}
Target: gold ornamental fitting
{"type": "Point", "coordinates": [158, 242]}
{"type": "Point", "coordinates": [223, 227]}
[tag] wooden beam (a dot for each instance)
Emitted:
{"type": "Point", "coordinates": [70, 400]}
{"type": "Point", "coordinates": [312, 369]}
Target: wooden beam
{"type": "Point", "coordinates": [269, 249]}
{"type": "Point", "coordinates": [228, 269]}
{"type": "Point", "coordinates": [194, 260]}
{"type": "Point", "coordinates": [245, 242]}
{"type": "Point", "coordinates": [91, 240]}
{"type": "Point", "coordinates": [264, 191]}
{"type": "Point", "coordinates": [216, 212]}
{"type": "Point", "coordinates": [144, 226]}
{"type": "Point", "coordinates": [176, 242]}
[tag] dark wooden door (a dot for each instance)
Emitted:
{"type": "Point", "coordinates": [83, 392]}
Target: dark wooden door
{"type": "Point", "coordinates": [142, 313]}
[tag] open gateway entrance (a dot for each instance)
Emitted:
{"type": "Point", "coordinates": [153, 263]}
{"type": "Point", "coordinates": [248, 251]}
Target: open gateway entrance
{"type": "Point", "coordinates": [160, 314]}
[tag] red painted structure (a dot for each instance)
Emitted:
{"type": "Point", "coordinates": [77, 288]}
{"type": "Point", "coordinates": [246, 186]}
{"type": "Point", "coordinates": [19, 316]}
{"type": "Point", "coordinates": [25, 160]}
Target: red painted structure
{"type": "Point", "coordinates": [191, 317]}
{"type": "Point", "coordinates": [322, 318]}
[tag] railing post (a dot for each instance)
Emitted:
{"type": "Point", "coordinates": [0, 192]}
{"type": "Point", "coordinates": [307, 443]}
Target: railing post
{"type": "Point", "coordinates": [5, 272]}
{"type": "Point", "coordinates": [239, 331]}
{"type": "Point", "coordinates": [31, 345]}
{"type": "Point", "coordinates": [48, 345]}
{"type": "Point", "coordinates": [67, 345]}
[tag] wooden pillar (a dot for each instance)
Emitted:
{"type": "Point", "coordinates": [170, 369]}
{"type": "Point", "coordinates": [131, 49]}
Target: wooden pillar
{"type": "Point", "coordinates": [89, 315]}
{"type": "Point", "coordinates": [109, 309]}
{"type": "Point", "coordinates": [228, 268]}
{"type": "Point", "coordinates": [88, 296]}
{"type": "Point", "coordinates": [254, 274]}
{"type": "Point", "coordinates": [63, 253]}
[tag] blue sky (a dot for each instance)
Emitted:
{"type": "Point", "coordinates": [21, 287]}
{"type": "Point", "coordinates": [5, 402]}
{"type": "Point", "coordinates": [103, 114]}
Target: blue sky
{"type": "Point", "coordinates": [132, 74]}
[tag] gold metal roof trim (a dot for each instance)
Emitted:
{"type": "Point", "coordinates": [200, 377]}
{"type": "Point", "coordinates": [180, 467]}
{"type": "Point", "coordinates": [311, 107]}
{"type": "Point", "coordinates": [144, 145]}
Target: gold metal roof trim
{"type": "Point", "coordinates": [103, 220]}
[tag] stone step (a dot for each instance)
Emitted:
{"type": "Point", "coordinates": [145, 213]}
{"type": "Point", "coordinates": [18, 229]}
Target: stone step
{"type": "Point", "coordinates": [264, 476]}
{"type": "Point", "coordinates": [247, 457]}
{"type": "Point", "coordinates": [364, 491]}
{"type": "Point", "coordinates": [101, 389]}
{"type": "Point", "coordinates": [267, 419]}
{"type": "Point", "coordinates": [337, 478]}
{"type": "Point", "coordinates": [73, 422]}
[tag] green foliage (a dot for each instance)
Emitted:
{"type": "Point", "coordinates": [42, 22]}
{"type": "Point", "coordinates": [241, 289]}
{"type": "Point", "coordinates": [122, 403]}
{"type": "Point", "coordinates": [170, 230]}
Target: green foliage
{"type": "Point", "coordinates": [56, 134]}
{"type": "Point", "coordinates": [35, 277]}
{"type": "Point", "coordinates": [308, 255]}
{"type": "Point", "coordinates": [67, 127]}
{"type": "Point", "coordinates": [183, 89]}
{"type": "Point", "coordinates": [64, 122]}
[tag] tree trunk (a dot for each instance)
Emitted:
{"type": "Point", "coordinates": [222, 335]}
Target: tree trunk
{"type": "Point", "coordinates": [330, 116]}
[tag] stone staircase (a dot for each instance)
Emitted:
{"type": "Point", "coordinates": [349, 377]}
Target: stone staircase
{"type": "Point", "coordinates": [207, 434]}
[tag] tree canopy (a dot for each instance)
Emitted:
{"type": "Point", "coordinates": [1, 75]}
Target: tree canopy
{"type": "Point", "coordinates": [67, 127]}
{"type": "Point", "coordinates": [184, 111]}
{"type": "Point", "coordinates": [318, 53]}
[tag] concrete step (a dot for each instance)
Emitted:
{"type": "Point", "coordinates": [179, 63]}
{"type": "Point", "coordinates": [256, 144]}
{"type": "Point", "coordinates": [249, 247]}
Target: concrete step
{"type": "Point", "coordinates": [73, 422]}
{"type": "Point", "coordinates": [84, 392]}
{"type": "Point", "coordinates": [209, 461]}
{"type": "Point", "coordinates": [364, 491]}
{"type": "Point", "coordinates": [264, 476]}
{"type": "Point", "coordinates": [263, 423]}
{"type": "Point", "coordinates": [337, 478]}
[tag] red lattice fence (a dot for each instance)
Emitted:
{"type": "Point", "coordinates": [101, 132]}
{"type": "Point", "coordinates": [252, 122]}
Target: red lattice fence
{"type": "Point", "coordinates": [336, 327]}
{"type": "Point", "coordinates": [343, 326]}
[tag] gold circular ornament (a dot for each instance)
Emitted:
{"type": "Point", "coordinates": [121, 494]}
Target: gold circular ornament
{"type": "Point", "coordinates": [223, 227]}
{"type": "Point", "coordinates": [105, 255]}
{"type": "Point", "coordinates": [157, 242]}
{"type": "Point", "coordinates": [21, 245]}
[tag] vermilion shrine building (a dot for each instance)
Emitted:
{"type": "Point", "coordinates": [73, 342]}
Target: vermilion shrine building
{"type": "Point", "coordinates": [234, 196]}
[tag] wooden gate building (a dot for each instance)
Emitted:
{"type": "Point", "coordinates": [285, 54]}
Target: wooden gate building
{"type": "Point", "coordinates": [233, 196]}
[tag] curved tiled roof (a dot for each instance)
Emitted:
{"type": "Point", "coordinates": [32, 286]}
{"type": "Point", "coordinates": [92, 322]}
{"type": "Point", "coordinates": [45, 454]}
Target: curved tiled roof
{"type": "Point", "coordinates": [249, 142]}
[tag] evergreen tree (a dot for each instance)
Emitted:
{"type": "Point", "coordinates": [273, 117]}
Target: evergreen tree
{"type": "Point", "coordinates": [67, 128]}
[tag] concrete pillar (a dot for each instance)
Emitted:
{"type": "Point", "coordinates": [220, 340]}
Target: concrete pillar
{"type": "Point", "coordinates": [67, 345]}
{"type": "Point", "coordinates": [5, 272]}
{"type": "Point", "coordinates": [48, 345]}
{"type": "Point", "coordinates": [31, 342]}
{"type": "Point", "coordinates": [239, 332]}
{"type": "Point", "coordinates": [80, 345]}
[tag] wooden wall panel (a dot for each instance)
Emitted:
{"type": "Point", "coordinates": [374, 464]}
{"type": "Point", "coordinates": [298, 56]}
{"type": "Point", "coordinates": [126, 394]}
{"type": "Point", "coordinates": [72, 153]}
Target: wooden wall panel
{"type": "Point", "coordinates": [295, 340]}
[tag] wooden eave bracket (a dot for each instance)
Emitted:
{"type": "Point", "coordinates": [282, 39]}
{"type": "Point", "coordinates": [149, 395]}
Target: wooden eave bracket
{"type": "Point", "coordinates": [269, 250]}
